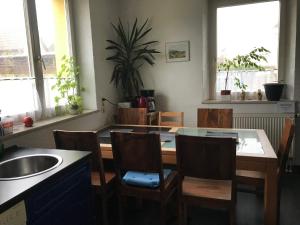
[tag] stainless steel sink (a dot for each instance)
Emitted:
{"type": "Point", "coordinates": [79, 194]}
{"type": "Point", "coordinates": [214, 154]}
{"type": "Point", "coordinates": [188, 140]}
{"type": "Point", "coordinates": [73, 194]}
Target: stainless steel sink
{"type": "Point", "coordinates": [27, 166]}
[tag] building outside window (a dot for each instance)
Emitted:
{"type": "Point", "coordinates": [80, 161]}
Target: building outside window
{"type": "Point", "coordinates": [33, 38]}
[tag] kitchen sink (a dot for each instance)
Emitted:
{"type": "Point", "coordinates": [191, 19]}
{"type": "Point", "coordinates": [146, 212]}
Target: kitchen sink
{"type": "Point", "coordinates": [27, 166]}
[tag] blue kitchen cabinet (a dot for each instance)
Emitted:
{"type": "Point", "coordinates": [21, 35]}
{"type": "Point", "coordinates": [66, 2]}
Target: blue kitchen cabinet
{"type": "Point", "coordinates": [64, 199]}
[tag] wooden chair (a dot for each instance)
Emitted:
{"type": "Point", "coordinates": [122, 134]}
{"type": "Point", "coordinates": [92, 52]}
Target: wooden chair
{"type": "Point", "coordinates": [257, 179]}
{"type": "Point", "coordinates": [141, 152]}
{"type": "Point", "coordinates": [206, 168]}
{"type": "Point", "coordinates": [102, 181]}
{"type": "Point", "coordinates": [172, 119]}
{"type": "Point", "coordinates": [215, 118]}
{"type": "Point", "coordinates": [136, 116]}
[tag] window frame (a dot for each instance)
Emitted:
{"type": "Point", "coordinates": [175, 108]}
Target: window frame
{"type": "Point", "coordinates": [213, 5]}
{"type": "Point", "coordinates": [34, 51]}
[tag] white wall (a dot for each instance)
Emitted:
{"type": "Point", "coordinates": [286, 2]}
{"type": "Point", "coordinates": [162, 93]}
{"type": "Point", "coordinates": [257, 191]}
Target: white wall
{"type": "Point", "coordinates": [178, 86]}
{"type": "Point", "coordinates": [43, 138]}
{"type": "Point", "coordinates": [288, 46]}
{"type": "Point", "coordinates": [103, 13]}
{"type": "Point", "coordinates": [297, 84]}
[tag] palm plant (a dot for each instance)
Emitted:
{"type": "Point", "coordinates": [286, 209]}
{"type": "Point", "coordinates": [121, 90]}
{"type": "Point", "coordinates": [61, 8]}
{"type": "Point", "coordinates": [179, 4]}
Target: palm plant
{"type": "Point", "coordinates": [130, 53]}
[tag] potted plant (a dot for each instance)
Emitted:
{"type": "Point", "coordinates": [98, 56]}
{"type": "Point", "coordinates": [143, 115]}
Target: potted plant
{"type": "Point", "coordinates": [241, 63]}
{"type": "Point", "coordinates": [241, 86]}
{"type": "Point", "coordinates": [67, 85]}
{"type": "Point", "coordinates": [274, 90]}
{"type": "Point", "coordinates": [130, 53]}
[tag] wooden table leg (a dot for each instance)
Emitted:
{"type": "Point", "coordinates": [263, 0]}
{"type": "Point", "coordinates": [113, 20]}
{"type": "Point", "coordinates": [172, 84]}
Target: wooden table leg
{"type": "Point", "coordinates": [271, 193]}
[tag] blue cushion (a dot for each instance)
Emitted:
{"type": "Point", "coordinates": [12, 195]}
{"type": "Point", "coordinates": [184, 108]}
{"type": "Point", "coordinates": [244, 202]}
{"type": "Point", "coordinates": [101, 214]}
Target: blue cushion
{"type": "Point", "coordinates": [150, 180]}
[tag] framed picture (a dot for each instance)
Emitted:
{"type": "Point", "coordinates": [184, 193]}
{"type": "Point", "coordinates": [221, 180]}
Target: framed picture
{"type": "Point", "coordinates": [178, 51]}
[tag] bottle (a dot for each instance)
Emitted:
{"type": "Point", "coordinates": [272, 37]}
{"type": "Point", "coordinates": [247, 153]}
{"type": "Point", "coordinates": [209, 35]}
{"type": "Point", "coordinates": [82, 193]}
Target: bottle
{"type": "Point", "coordinates": [7, 125]}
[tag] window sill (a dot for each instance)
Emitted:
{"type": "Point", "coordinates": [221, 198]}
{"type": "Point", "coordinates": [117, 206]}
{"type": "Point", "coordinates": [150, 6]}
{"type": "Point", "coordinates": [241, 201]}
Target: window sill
{"type": "Point", "coordinates": [243, 102]}
{"type": "Point", "coordinates": [20, 129]}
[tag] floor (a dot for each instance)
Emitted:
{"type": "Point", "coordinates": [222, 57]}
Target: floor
{"type": "Point", "coordinates": [249, 209]}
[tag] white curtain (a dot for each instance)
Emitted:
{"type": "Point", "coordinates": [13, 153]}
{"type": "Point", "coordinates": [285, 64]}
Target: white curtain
{"type": "Point", "coordinates": [254, 80]}
{"type": "Point", "coordinates": [19, 98]}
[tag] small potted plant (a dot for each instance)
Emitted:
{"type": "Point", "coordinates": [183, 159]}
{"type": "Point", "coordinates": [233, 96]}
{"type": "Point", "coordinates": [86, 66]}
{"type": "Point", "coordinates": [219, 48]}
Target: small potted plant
{"type": "Point", "coordinates": [67, 85]}
{"type": "Point", "coordinates": [239, 84]}
{"type": "Point", "coordinates": [242, 63]}
{"type": "Point", "coordinates": [130, 53]}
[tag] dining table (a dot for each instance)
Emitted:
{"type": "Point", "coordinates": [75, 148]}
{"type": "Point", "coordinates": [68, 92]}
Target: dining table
{"type": "Point", "coordinates": [254, 152]}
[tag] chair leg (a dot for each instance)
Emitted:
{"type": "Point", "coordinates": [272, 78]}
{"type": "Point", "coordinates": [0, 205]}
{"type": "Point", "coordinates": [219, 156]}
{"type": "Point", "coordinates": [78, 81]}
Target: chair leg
{"type": "Point", "coordinates": [232, 215]}
{"type": "Point", "coordinates": [104, 211]}
{"type": "Point", "coordinates": [184, 214]}
{"type": "Point", "coordinates": [182, 218]}
{"type": "Point", "coordinates": [278, 206]}
{"type": "Point", "coordinates": [120, 208]}
{"type": "Point", "coordinates": [163, 213]}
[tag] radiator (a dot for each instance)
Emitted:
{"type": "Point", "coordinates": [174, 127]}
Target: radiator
{"type": "Point", "coordinates": [272, 123]}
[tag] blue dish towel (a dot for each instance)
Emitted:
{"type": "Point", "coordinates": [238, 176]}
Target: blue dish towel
{"type": "Point", "coordinates": [150, 180]}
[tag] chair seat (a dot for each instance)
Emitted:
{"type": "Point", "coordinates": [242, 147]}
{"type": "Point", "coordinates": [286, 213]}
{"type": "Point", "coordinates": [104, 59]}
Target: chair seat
{"type": "Point", "coordinates": [150, 193]}
{"type": "Point", "coordinates": [206, 188]}
{"type": "Point", "coordinates": [142, 179]}
{"type": "Point", "coordinates": [248, 177]}
{"type": "Point", "coordinates": [109, 177]}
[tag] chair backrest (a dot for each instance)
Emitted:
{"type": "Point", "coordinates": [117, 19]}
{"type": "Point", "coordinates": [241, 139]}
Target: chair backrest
{"type": "Point", "coordinates": [285, 144]}
{"type": "Point", "coordinates": [82, 141]}
{"type": "Point", "coordinates": [137, 152]}
{"type": "Point", "coordinates": [206, 157]}
{"type": "Point", "coordinates": [174, 119]}
{"type": "Point", "coordinates": [136, 116]}
{"type": "Point", "coordinates": [215, 118]}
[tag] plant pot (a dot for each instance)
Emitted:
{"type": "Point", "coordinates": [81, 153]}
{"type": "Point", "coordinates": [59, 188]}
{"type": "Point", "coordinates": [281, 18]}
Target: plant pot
{"type": "Point", "coordinates": [74, 109]}
{"type": "Point", "coordinates": [273, 91]}
{"type": "Point", "coordinates": [243, 95]}
{"type": "Point", "coordinates": [59, 110]}
{"type": "Point", "coordinates": [225, 95]}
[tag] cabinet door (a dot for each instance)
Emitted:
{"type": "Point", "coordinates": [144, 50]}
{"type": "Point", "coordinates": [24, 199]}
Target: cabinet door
{"type": "Point", "coordinates": [64, 201]}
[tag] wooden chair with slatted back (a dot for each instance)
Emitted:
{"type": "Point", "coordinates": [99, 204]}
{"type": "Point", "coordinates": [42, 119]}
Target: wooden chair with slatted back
{"type": "Point", "coordinates": [102, 181]}
{"type": "Point", "coordinates": [256, 178]}
{"type": "Point", "coordinates": [206, 168]}
{"type": "Point", "coordinates": [215, 118]}
{"type": "Point", "coordinates": [135, 116]}
{"type": "Point", "coordinates": [171, 119]}
{"type": "Point", "coordinates": [141, 152]}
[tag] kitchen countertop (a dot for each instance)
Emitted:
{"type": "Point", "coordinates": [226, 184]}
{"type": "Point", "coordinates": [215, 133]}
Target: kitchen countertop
{"type": "Point", "coordinates": [14, 191]}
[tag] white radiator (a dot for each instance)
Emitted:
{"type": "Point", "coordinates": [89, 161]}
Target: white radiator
{"type": "Point", "coordinates": [272, 123]}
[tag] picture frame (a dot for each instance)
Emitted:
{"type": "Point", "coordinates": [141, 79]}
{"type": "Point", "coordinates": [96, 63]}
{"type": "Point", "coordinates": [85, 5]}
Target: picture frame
{"type": "Point", "coordinates": [178, 51]}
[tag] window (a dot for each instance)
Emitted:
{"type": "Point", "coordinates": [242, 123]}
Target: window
{"type": "Point", "coordinates": [33, 39]}
{"type": "Point", "coordinates": [240, 29]}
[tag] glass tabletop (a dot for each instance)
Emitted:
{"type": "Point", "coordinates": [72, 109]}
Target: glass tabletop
{"type": "Point", "coordinates": [247, 140]}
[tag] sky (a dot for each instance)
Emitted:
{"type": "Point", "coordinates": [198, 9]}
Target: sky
{"type": "Point", "coordinates": [242, 28]}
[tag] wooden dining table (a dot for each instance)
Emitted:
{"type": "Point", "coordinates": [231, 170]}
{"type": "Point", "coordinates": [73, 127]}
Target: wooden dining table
{"type": "Point", "coordinates": [254, 152]}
